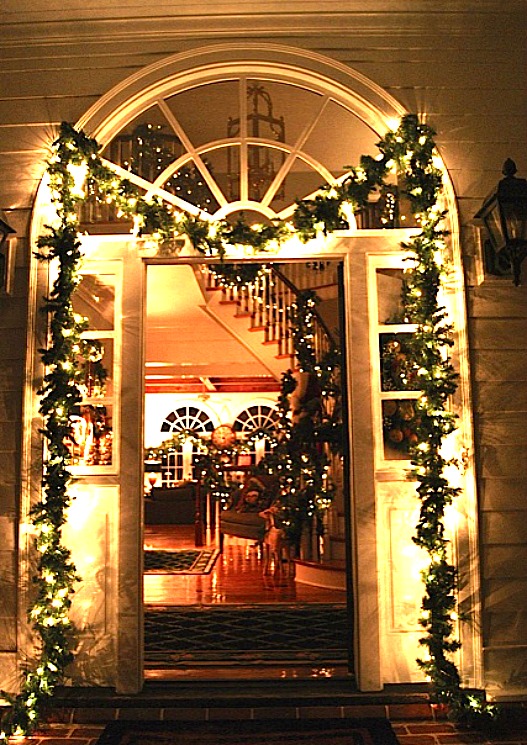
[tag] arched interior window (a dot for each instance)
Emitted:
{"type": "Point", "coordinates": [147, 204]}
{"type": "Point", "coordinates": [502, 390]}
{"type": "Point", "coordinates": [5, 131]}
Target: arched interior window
{"type": "Point", "coordinates": [188, 418]}
{"type": "Point", "coordinates": [177, 464]}
{"type": "Point", "coordinates": [256, 417]}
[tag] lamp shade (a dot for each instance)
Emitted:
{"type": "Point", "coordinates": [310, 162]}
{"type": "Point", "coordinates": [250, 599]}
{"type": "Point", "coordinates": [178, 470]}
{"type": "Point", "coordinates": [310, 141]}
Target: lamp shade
{"type": "Point", "coordinates": [152, 466]}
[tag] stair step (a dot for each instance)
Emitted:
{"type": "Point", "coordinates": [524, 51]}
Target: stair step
{"type": "Point", "coordinates": [331, 575]}
{"type": "Point", "coordinates": [232, 697]}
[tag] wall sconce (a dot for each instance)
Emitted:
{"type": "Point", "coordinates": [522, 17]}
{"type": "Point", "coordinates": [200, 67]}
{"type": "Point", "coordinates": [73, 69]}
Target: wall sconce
{"type": "Point", "coordinates": [504, 213]}
{"type": "Point", "coordinates": [7, 255]}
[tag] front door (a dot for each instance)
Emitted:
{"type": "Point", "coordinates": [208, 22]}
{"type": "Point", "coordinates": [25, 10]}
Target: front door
{"type": "Point", "coordinates": [262, 145]}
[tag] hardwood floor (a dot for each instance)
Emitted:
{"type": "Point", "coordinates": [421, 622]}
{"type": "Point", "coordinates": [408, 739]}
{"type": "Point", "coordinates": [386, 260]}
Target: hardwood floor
{"type": "Point", "coordinates": [237, 576]}
{"type": "Point", "coordinates": [236, 579]}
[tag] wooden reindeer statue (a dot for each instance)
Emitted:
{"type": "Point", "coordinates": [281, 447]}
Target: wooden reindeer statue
{"type": "Point", "coordinates": [278, 550]}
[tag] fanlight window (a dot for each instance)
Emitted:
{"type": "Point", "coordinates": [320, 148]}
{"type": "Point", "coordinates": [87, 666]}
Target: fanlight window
{"type": "Point", "coordinates": [188, 418]}
{"type": "Point", "coordinates": [257, 417]}
{"type": "Point", "coordinates": [178, 463]}
{"type": "Point", "coordinates": [238, 145]}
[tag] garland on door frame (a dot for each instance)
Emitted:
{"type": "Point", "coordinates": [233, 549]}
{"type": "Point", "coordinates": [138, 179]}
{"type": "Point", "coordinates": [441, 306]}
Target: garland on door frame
{"type": "Point", "coordinates": [76, 171]}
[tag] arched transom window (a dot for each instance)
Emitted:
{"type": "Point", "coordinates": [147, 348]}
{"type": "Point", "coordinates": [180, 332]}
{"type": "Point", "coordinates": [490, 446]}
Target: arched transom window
{"type": "Point", "coordinates": [256, 417]}
{"type": "Point", "coordinates": [241, 144]}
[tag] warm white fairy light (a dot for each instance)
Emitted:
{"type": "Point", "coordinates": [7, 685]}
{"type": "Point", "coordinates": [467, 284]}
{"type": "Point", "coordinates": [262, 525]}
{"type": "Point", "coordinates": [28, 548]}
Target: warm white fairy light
{"type": "Point", "coordinates": [393, 123]}
{"type": "Point", "coordinates": [78, 173]}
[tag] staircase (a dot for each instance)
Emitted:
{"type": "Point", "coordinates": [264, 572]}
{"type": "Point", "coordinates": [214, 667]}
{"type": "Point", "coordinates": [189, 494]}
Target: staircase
{"type": "Point", "coordinates": [258, 316]}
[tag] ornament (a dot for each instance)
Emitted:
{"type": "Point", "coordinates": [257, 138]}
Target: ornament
{"type": "Point", "coordinates": [406, 410]}
{"type": "Point", "coordinates": [389, 408]}
{"type": "Point", "coordinates": [392, 347]}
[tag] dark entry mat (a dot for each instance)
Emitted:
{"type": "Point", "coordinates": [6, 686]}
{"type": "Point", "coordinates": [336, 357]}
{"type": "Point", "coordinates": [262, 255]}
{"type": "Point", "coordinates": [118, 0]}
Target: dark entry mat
{"type": "Point", "coordinates": [180, 561]}
{"type": "Point", "coordinates": [281, 732]}
{"type": "Point", "coordinates": [268, 631]}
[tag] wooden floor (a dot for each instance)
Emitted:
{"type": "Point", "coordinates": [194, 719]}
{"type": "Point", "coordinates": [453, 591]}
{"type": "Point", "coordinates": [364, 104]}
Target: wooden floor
{"type": "Point", "coordinates": [237, 576]}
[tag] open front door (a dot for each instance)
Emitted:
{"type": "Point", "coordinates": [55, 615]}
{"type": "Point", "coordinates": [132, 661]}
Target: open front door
{"type": "Point", "coordinates": [379, 499]}
{"type": "Point", "coordinates": [104, 529]}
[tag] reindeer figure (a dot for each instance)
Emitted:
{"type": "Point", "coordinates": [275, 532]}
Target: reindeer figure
{"type": "Point", "coordinates": [277, 548]}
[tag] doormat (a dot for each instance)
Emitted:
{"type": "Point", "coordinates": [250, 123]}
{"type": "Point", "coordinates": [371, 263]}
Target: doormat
{"type": "Point", "coordinates": [245, 633]}
{"type": "Point", "coordinates": [274, 732]}
{"type": "Point", "coordinates": [180, 561]}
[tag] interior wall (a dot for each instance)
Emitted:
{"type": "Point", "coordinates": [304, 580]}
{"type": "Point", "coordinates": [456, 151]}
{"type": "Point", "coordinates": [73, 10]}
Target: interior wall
{"type": "Point", "coordinates": [223, 408]}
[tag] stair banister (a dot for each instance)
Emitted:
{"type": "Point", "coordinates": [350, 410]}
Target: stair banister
{"type": "Point", "coordinates": [267, 302]}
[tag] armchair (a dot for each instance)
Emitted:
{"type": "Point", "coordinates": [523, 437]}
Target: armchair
{"type": "Point", "coordinates": [242, 519]}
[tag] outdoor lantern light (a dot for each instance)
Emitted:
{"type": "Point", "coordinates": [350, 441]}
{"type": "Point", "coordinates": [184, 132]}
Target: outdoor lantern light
{"type": "Point", "coordinates": [7, 255]}
{"type": "Point", "coordinates": [504, 213]}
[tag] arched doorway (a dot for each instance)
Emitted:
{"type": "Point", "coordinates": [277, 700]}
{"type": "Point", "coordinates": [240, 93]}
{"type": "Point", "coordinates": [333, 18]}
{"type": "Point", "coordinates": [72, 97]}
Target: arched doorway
{"type": "Point", "coordinates": [370, 108]}
{"type": "Point", "coordinates": [245, 158]}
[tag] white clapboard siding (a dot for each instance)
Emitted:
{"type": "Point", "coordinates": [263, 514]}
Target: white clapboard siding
{"type": "Point", "coordinates": [498, 336]}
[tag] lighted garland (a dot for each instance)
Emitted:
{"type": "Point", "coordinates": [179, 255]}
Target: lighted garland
{"type": "Point", "coordinates": [238, 275]}
{"type": "Point", "coordinates": [325, 368]}
{"type": "Point", "coordinates": [174, 443]}
{"type": "Point", "coordinates": [56, 576]}
{"type": "Point", "coordinates": [301, 316]}
{"type": "Point", "coordinates": [76, 165]}
{"type": "Point", "coordinates": [299, 459]}
{"type": "Point", "coordinates": [258, 435]}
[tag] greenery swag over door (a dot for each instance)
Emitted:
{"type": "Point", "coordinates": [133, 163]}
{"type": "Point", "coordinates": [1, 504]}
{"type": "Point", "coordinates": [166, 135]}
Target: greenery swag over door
{"type": "Point", "coordinates": [76, 170]}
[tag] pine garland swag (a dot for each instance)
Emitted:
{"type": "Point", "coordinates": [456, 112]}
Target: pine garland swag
{"type": "Point", "coordinates": [410, 151]}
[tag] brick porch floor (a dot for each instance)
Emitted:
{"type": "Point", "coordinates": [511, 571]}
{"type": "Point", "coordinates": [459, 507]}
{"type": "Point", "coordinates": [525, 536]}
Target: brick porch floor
{"type": "Point", "coordinates": [413, 723]}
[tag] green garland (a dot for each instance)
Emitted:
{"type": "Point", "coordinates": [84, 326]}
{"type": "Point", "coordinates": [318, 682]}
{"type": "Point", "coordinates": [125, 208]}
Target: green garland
{"type": "Point", "coordinates": [301, 466]}
{"type": "Point", "coordinates": [238, 275]}
{"type": "Point", "coordinates": [75, 171]}
{"type": "Point", "coordinates": [56, 576]}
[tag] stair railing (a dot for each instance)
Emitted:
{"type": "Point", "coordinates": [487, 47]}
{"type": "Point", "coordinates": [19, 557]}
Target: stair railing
{"type": "Point", "coordinates": [266, 303]}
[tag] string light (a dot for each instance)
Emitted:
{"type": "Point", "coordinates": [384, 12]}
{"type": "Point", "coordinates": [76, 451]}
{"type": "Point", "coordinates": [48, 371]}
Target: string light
{"type": "Point", "coordinates": [74, 166]}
